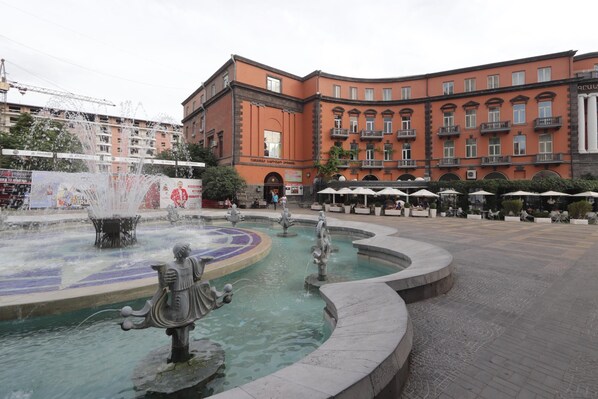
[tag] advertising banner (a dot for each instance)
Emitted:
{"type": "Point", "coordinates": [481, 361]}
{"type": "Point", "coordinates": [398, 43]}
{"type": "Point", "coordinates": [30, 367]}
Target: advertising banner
{"type": "Point", "coordinates": [180, 193]}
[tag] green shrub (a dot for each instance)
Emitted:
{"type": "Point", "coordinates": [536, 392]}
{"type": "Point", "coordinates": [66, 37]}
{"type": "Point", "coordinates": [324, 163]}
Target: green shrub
{"type": "Point", "coordinates": [578, 210]}
{"type": "Point", "coordinates": [541, 214]}
{"type": "Point", "coordinates": [512, 207]}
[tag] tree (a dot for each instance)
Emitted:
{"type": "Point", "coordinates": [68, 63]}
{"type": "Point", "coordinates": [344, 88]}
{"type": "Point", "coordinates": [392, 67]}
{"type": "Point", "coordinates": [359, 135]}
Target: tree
{"type": "Point", "coordinates": [221, 182]}
{"type": "Point", "coordinates": [185, 152]}
{"type": "Point", "coordinates": [330, 168]}
{"type": "Point", "coordinates": [43, 135]}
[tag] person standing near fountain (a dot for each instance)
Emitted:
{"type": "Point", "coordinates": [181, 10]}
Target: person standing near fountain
{"type": "Point", "coordinates": [179, 196]}
{"type": "Point", "coordinates": [274, 199]}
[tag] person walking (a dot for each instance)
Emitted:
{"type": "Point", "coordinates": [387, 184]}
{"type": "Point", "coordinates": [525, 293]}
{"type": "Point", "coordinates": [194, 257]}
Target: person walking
{"type": "Point", "coordinates": [274, 199]}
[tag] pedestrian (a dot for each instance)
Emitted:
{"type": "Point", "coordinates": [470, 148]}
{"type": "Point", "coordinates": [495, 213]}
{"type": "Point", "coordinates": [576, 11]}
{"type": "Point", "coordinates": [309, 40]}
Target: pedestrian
{"type": "Point", "coordinates": [274, 199]}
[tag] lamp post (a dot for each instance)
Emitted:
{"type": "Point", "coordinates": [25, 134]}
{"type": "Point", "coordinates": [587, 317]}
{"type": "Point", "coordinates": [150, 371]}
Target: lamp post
{"type": "Point", "coordinates": [175, 151]}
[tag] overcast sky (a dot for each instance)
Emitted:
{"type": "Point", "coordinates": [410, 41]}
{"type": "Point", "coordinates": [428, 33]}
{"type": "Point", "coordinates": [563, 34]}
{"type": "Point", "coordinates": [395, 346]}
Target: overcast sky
{"type": "Point", "coordinates": [150, 55]}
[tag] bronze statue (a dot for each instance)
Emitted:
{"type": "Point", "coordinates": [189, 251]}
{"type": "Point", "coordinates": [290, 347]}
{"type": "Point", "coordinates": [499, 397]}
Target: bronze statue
{"type": "Point", "coordinates": [181, 299]}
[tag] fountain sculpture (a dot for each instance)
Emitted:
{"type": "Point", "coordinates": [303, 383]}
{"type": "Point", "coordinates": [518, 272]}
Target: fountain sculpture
{"type": "Point", "coordinates": [173, 214]}
{"type": "Point", "coordinates": [234, 215]}
{"type": "Point", "coordinates": [181, 299]}
{"type": "Point", "coordinates": [286, 221]}
{"type": "Point", "coordinates": [321, 253]}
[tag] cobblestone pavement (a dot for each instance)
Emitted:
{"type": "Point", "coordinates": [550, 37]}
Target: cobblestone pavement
{"type": "Point", "coordinates": [522, 318]}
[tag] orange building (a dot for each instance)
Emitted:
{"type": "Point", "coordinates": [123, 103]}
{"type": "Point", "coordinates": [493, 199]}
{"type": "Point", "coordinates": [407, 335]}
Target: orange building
{"type": "Point", "coordinates": [518, 119]}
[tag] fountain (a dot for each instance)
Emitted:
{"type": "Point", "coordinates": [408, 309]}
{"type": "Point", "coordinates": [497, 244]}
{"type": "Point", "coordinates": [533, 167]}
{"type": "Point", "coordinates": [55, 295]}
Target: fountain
{"type": "Point", "coordinates": [320, 254]}
{"type": "Point", "coordinates": [181, 299]}
{"type": "Point", "coordinates": [234, 216]}
{"type": "Point", "coordinates": [286, 221]}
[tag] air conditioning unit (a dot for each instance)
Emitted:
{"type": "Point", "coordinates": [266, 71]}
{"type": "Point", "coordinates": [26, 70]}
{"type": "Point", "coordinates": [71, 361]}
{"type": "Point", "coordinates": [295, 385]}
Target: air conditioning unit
{"type": "Point", "coordinates": [472, 174]}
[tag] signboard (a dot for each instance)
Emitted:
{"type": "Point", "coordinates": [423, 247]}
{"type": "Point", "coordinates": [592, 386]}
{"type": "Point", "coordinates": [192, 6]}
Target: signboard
{"type": "Point", "coordinates": [293, 189]}
{"type": "Point", "coordinates": [293, 175]}
{"type": "Point", "coordinates": [66, 155]}
{"type": "Point", "coordinates": [588, 87]}
{"type": "Point", "coordinates": [180, 193]}
{"type": "Point", "coordinates": [26, 153]}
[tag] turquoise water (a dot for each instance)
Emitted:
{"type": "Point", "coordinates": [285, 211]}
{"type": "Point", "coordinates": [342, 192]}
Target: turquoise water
{"type": "Point", "coordinates": [271, 323]}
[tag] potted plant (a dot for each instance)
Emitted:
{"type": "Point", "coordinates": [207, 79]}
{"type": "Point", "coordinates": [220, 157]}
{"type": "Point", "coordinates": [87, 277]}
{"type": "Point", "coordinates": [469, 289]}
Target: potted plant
{"type": "Point", "coordinates": [474, 214]}
{"type": "Point", "coordinates": [577, 212]}
{"type": "Point", "coordinates": [512, 210]}
{"type": "Point", "coordinates": [407, 209]}
{"type": "Point", "coordinates": [443, 210]}
{"type": "Point", "coordinates": [541, 217]}
{"type": "Point", "coordinates": [362, 209]}
{"type": "Point", "coordinates": [327, 205]}
{"type": "Point", "coordinates": [316, 206]}
{"type": "Point", "coordinates": [433, 209]}
{"type": "Point", "coordinates": [347, 206]}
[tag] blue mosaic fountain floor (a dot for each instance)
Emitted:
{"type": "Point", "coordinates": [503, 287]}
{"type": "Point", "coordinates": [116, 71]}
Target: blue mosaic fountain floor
{"type": "Point", "coordinates": [59, 260]}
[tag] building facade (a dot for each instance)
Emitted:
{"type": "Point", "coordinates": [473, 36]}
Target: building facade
{"type": "Point", "coordinates": [111, 136]}
{"type": "Point", "coordinates": [519, 119]}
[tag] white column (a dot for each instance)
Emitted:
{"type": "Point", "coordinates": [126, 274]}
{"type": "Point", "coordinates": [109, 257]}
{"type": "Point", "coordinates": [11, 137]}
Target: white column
{"type": "Point", "coordinates": [581, 124]}
{"type": "Point", "coordinates": [592, 123]}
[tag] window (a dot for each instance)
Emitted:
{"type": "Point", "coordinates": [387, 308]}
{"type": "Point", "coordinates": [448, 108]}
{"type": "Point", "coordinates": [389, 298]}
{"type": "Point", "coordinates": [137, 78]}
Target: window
{"type": "Point", "coordinates": [545, 144]}
{"type": "Point", "coordinates": [387, 124]}
{"type": "Point", "coordinates": [406, 93]}
{"type": "Point", "coordinates": [369, 94]}
{"type": "Point", "coordinates": [470, 84]}
{"type": "Point", "coordinates": [518, 113]}
{"type": "Point", "coordinates": [449, 149]}
{"type": "Point", "coordinates": [163, 144]}
{"type": "Point", "coordinates": [273, 84]}
{"type": "Point", "coordinates": [448, 87]}
{"type": "Point", "coordinates": [519, 145]}
{"type": "Point", "coordinates": [369, 123]}
{"type": "Point", "coordinates": [213, 90]}
{"type": "Point", "coordinates": [448, 119]}
{"type": "Point", "coordinates": [388, 152]}
{"type": "Point", "coordinates": [493, 82]}
{"type": "Point", "coordinates": [518, 78]}
{"type": "Point", "coordinates": [544, 74]}
{"type": "Point", "coordinates": [225, 80]}
{"type": "Point", "coordinates": [470, 119]}
{"type": "Point", "coordinates": [272, 144]}
{"type": "Point", "coordinates": [596, 67]}
{"type": "Point", "coordinates": [387, 94]}
{"type": "Point", "coordinates": [471, 148]}
{"type": "Point", "coordinates": [338, 121]}
{"type": "Point", "coordinates": [336, 91]}
{"type": "Point", "coordinates": [405, 122]}
{"type": "Point", "coordinates": [353, 124]}
{"type": "Point", "coordinates": [202, 123]}
{"type": "Point", "coordinates": [493, 114]}
{"type": "Point", "coordinates": [353, 93]}
{"type": "Point", "coordinates": [354, 152]}
{"type": "Point", "coordinates": [369, 152]}
{"type": "Point", "coordinates": [545, 109]}
{"type": "Point", "coordinates": [202, 99]}
{"type": "Point", "coordinates": [406, 152]}
{"type": "Point", "coordinates": [494, 146]}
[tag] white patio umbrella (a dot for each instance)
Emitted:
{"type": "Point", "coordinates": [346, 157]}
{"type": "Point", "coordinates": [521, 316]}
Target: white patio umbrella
{"type": "Point", "coordinates": [424, 193]}
{"type": "Point", "coordinates": [591, 194]}
{"type": "Point", "coordinates": [345, 191]}
{"type": "Point", "coordinates": [391, 191]}
{"type": "Point", "coordinates": [365, 192]}
{"type": "Point", "coordinates": [520, 193]}
{"type": "Point", "coordinates": [482, 193]}
{"type": "Point", "coordinates": [329, 190]}
{"type": "Point", "coordinates": [553, 194]}
{"type": "Point", "coordinates": [449, 191]}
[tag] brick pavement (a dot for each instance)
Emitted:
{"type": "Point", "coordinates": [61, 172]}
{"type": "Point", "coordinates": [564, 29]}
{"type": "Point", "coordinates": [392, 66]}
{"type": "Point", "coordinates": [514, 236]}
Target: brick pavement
{"type": "Point", "coordinates": [522, 318]}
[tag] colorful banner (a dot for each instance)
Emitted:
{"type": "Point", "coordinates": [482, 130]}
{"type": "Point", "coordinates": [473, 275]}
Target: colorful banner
{"type": "Point", "coordinates": [293, 175]}
{"type": "Point", "coordinates": [180, 193]}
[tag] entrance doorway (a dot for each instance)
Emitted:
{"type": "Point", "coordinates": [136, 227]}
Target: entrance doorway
{"type": "Point", "coordinates": [273, 183]}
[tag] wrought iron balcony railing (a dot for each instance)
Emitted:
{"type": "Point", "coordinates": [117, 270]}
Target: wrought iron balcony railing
{"type": "Point", "coordinates": [406, 163]}
{"type": "Point", "coordinates": [495, 127]}
{"type": "Point", "coordinates": [337, 133]}
{"type": "Point", "coordinates": [372, 164]}
{"type": "Point", "coordinates": [552, 122]}
{"type": "Point", "coordinates": [372, 134]}
{"type": "Point", "coordinates": [448, 162]}
{"type": "Point", "coordinates": [496, 160]}
{"type": "Point", "coordinates": [405, 134]}
{"type": "Point", "coordinates": [549, 158]}
{"type": "Point", "coordinates": [452, 130]}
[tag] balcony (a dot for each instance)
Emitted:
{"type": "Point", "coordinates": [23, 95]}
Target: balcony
{"type": "Point", "coordinates": [495, 127]}
{"type": "Point", "coordinates": [343, 163]}
{"type": "Point", "coordinates": [448, 162]}
{"type": "Point", "coordinates": [372, 164]}
{"type": "Point", "coordinates": [372, 134]}
{"type": "Point", "coordinates": [496, 160]}
{"type": "Point", "coordinates": [448, 131]}
{"type": "Point", "coordinates": [337, 133]}
{"type": "Point", "coordinates": [552, 122]}
{"type": "Point", "coordinates": [407, 164]}
{"type": "Point", "coordinates": [405, 134]}
{"type": "Point", "coordinates": [549, 158]}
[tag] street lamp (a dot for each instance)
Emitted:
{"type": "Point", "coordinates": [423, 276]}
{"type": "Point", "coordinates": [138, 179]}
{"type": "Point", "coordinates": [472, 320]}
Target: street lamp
{"type": "Point", "coordinates": [175, 151]}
